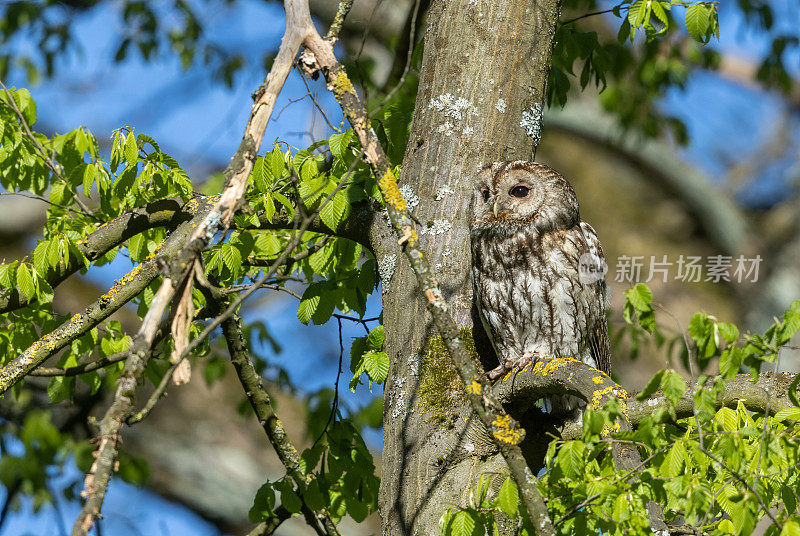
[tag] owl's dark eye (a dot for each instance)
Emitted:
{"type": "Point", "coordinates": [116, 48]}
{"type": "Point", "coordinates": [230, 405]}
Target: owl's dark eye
{"type": "Point", "coordinates": [485, 193]}
{"type": "Point", "coordinates": [519, 191]}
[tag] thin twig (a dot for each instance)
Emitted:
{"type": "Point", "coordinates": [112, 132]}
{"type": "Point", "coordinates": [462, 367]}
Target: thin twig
{"type": "Point", "coordinates": [407, 66]}
{"type": "Point", "coordinates": [586, 15]}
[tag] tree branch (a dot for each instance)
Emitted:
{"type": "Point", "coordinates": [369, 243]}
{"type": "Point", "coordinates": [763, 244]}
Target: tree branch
{"type": "Point", "coordinates": [262, 405]}
{"type": "Point", "coordinates": [165, 213]}
{"type": "Point", "coordinates": [118, 295]}
{"type": "Point", "coordinates": [573, 377]}
{"type": "Point", "coordinates": [96, 481]}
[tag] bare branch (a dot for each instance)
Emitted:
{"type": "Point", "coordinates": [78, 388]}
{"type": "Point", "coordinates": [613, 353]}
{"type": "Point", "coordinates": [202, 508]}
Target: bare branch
{"type": "Point", "coordinates": [96, 481]}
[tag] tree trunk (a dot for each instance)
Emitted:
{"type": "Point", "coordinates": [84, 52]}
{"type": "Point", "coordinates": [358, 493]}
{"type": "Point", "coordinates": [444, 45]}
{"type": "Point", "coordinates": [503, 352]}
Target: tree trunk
{"type": "Point", "coordinates": [480, 100]}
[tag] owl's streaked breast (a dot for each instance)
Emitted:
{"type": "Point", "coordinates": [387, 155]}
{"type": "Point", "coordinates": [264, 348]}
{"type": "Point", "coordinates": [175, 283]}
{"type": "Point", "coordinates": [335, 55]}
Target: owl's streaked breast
{"type": "Point", "coordinates": [530, 296]}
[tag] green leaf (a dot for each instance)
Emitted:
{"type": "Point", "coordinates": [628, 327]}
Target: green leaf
{"type": "Point", "coordinates": [61, 388]}
{"type": "Point", "coordinates": [791, 528]}
{"type": "Point", "coordinates": [334, 210]}
{"type": "Point", "coordinates": [673, 386]}
{"type": "Point", "coordinates": [674, 460]}
{"type": "Point", "coordinates": [89, 178]}
{"type": "Point", "coordinates": [637, 13]}
{"type": "Point", "coordinates": [8, 275]}
{"type": "Point", "coordinates": [289, 498]}
{"type": "Point", "coordinates": [698, 22]}
{"type": "Point", "coordinates": [376, 337]}
{"type": "Point", "coordinates": [263, 504]}
{"type": "Point", "coordinates": [640, 296]}
{"type": "Point", "coordinates": [376, 365]}
{"type": "Point", "coordinates": [508, 498]}
{"type": "Point", "coordinates": [730, 362]}
{"type": "Point", "coordinates": [131, 149]}
{"type": "Point", "coordinates": [310, 458]}
{"type": "Point", "coordinates": [651, 387]}
{"type": "Point", "coordinates": [25, 281]}
{"type": "Point", "coordinates": [728, 331]}
{"type": "Point", "coordinates": [788, 414]}
{"type": "Point", "coordinates": [462, 524]}
{"type": "Point", "coordinates": [338, 143]}
{"type": "Point", "coordinates": [269, 206]}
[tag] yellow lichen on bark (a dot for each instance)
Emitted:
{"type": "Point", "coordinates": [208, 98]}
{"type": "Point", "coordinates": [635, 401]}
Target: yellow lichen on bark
{"type": "Point", "coordinates": [506, 430]}
{"type": "Point", "coordinates": [391, 192]}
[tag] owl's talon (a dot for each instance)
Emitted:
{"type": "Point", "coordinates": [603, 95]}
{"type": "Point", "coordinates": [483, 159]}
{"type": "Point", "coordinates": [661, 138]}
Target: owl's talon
{"type": "Point", "coordinates": [498, 371]}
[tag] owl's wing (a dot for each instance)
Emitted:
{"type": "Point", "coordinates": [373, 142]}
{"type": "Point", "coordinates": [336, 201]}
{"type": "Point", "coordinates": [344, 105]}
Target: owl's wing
{"type": "Point", "coordinates": [599, 343]}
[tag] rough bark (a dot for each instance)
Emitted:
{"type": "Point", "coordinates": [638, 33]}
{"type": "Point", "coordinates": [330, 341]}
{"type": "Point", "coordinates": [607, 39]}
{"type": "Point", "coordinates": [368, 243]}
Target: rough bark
{"type": "Point", "coordinates": [495, 56]}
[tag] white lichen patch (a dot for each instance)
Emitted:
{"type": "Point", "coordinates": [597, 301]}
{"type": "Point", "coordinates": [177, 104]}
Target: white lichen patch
{"type": "Point", "coordinates": [446, 252]}
{"type": "Point", "coordinates": [444, 191]}
{"type": "Point", "coordinates": [455, 110]}
{"type": "Point", "coordinates": [469, 447]}
{"type": "Point", "coordinates": [500, 105]}
{"type": "Point", "coordinates": [436, 227]}
{"type": "Point", "coordinates": [386, 267]}
{"type": "Point", "coordinates": [412, 200]}
{"type": "Point", "coordinates": [446, 128]}
{"type": "Point", "coordinates": [467, 132]}
{"type": "Point", "coordinates": [413, 364]}
{"type": "Point", "coordinates": [399, 399]}
{"type": "Point", "coordinates": [440, 226]}
{"type": "Point", "coordinates": [532, 123]}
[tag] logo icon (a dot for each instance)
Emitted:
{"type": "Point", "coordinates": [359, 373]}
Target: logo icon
{"type": "Point", "coordinates": [591, 268]}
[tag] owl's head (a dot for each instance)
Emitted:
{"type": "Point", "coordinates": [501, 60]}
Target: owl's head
{"type": "Point", "coordinates": [510, 196]}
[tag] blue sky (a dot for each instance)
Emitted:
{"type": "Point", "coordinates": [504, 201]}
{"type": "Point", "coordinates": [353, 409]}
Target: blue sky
{"type": "Point", "coordinates": [200, 123]}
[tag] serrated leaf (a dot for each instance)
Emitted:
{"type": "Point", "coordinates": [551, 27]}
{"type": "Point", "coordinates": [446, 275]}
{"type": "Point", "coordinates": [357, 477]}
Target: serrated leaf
{"type": "Point", "coordinates": [726, 417]}
{"type": "Point", "coordinates": [674, 460]}
{"type": "Point", "coordinates": [25, 281]}
{"type": "Point", "coordinates": [462, 524]}
{"type": "Point", "coordinates": [269, 206]}
{"type": "Point", "coordinates": [730, 362]}
{"type": "Point", "coordinates": [89, 178]}
{"type": "Point", "coordinates": [508, 498]}
{"type": "Point", "coordinates": [333, 211]}
{"type": "Point", "coordinates": [640, 297]}
{"type": "Point", "coordinates": [698, 19]}
{"type": "Point", "coordinates": [673, 386]}
{"type": "Point", "coordinates": [338, 143]}
{"type": "Point", "coordinates": [788, 414]}
{"type": "Point", "coordinates": [376, 337]}
{"type": "Point", "coordinates": [728, 331]}
{"type": "Point", "coordinates": [131, 149]}
{"type": "Point", "coordinates": [377, 365]}
{"type": "Point", "coordinates": [307, 307]}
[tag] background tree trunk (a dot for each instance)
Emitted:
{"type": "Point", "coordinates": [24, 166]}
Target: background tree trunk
{"type": "Point", "coordinates": [480, 99]}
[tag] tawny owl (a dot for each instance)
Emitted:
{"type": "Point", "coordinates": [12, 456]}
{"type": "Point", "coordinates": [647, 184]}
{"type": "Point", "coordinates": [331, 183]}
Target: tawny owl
{"type": "Point", "coordinates": [537, 269]}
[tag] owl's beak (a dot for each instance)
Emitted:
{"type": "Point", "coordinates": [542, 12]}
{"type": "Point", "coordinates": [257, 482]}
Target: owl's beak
{"type": "Point", "coordinates": [494, 208]}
